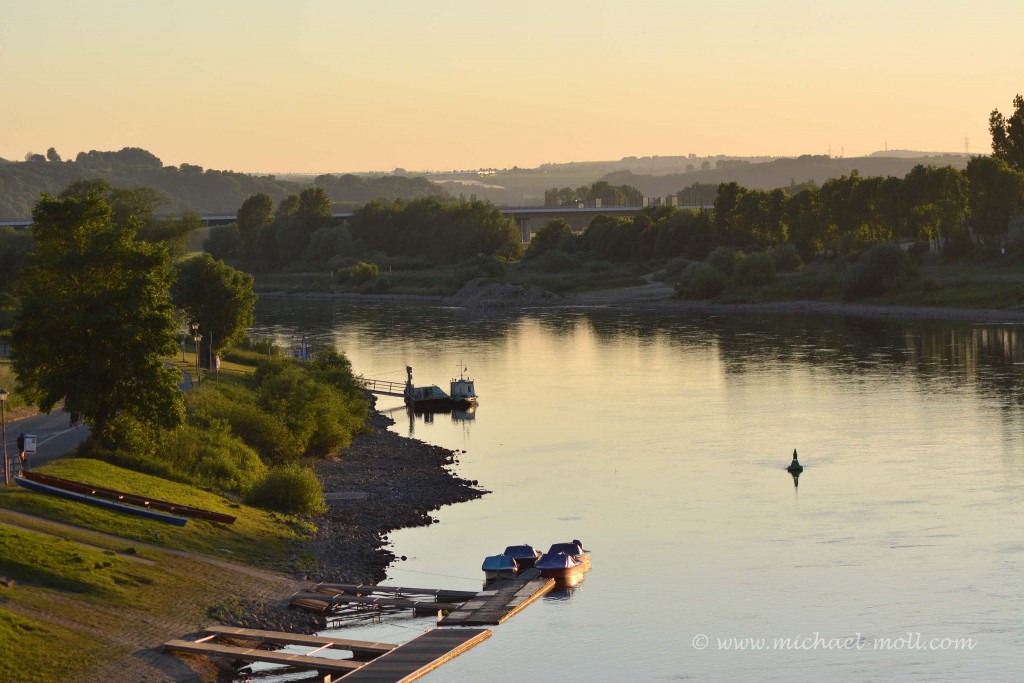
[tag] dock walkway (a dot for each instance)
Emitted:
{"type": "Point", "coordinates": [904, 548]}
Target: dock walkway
{"type": "Point", "coordinates": [388, 663]}
{"type": "Point", "coordinates": [419, 656]}
{"type": "Point", "coordinates": [500, 601]}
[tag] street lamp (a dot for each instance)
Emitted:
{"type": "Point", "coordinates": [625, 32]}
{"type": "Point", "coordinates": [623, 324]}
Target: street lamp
{"type": "Point", "coordinates": [3, 434]}
{"type": "Point", "coordinates": [197, 338]}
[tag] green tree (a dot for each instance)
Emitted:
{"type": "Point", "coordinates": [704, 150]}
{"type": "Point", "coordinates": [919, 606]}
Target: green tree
{"type": "Point", "coordinates": [1008, 135]}
{"type": "Point", "coordinates": [995, 195]}
{"type": "Point", "coordinates": [95, 318]}
{"type": "Point", "coordinates": [549, 237]}
{"type": "Point", "coordinates": [15, 246]}
{"type": "Point", "coordinates": [253, 214]}
{"type": "Point", "coordinates": [220, 298]}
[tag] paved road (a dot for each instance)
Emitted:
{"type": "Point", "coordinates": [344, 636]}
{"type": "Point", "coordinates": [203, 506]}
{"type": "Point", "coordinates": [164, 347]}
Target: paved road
{"type": "Point", "coordinates": [55, 436]}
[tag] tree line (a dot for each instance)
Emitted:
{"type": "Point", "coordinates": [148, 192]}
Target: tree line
{"type": "Point", "coordinates": [301, 232]}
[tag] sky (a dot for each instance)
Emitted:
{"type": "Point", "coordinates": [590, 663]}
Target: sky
{"type": "Point", "coordinates": [346, 85]}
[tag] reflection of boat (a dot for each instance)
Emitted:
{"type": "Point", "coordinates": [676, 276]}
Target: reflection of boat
{"type": "Point", "coordinates": [525, 555]}
{"type": "Point", "coordinates": [433, 397]}
{"type": "Point", "coordinates": [499, 567]}
{"type": "Point", "coordinates": [566, 561]}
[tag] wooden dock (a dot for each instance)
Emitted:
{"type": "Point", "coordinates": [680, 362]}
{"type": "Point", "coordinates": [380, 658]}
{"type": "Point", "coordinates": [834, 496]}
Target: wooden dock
{"type": "Point", "coordinates": [324, 602]}
{"type": "Point", "coordinates": [439, 594]}
{"type": "Point", "coordinates": [387, 663]}
{"type": "Point", "coordinates": [326, 596]}
{"type": "Point", "coordinates": [419, 656]}
{"type": "Point", "coordinates": [500, 601]}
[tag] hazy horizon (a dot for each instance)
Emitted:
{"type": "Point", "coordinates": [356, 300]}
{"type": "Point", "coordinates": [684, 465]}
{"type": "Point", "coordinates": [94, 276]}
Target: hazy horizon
{"type": "Point", "coordinates": [316, 87]}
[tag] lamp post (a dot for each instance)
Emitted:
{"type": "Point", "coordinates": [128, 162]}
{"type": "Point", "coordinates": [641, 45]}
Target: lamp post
{"type": "Point", "coordinates": [3, 434]}
{"type": "Point", "coordinates": [197, 338]}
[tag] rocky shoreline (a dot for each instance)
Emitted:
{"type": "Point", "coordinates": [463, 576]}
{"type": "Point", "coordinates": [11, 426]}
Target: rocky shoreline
{"type": "Point", "coordinates": [381, 483]}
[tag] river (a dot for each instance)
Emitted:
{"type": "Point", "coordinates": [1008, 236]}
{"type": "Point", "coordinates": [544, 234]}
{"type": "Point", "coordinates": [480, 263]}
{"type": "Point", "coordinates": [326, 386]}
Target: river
{"type": "Point", "coordinates": [661, 440]}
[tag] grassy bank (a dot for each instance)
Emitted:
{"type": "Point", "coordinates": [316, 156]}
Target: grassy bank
{"type": "Point", "coordinates": [258, 537]}
{"type": "Point", "coordinates": [91, 607]}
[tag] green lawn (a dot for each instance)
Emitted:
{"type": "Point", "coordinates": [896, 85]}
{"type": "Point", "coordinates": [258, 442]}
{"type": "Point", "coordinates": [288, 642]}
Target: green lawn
{"type": "Point", "coordinates": [31, 650]}
{"type": "Point", "coordinates": [258, 537]}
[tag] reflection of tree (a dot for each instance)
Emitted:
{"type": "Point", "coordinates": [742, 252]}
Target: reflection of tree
{"type": "Point", "coordinates": [950, 353]}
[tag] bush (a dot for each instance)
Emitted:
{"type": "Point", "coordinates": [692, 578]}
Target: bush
{"type": "Point", "coordinates": [882, 268]}
{"type": "Point", "coordinates": [486, 266]}
{"type": "Point", "coordinates": [701, 281]}
{"type": "Point", "coordinates": [787, 258]}
{"type": "Point", "coordinates": [673, 269]}
{"type": "Point", "coordinates": [320, 418]}
{"type": "Point", "coordinates": [556, 262]}
{"type": "Point", "coordinates": [292, 489]}
{"type": "Point", "coordinates": [262, 431]}
{"type": "Point", "coordinates": [213, 457]}
{"type": "Point", "coordinates": [723, 258]}
{"type": "Point", "coordinates": [755, 270]}
{"type": "Point", "coordinates": [358, 274]}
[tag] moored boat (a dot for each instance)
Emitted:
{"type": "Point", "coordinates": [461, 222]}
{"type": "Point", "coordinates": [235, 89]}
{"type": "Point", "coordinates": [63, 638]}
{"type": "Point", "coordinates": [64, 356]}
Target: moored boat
{"type": "Point", "coordinates": [564, 561]}
{"type": "Point", "coordinates": [433, 397]}
{"type": "Point", "coordinates": [462, 390]}
{"type": "Point", "coordinates": [499, 567]}
{"type": "Point", "coordinates": [525, 555]}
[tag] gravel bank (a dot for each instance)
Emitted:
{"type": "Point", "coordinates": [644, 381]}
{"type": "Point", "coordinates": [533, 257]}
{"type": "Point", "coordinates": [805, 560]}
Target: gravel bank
{"type": "Point", "coordinates": [381, 483]}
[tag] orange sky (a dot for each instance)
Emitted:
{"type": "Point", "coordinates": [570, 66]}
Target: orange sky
{"type": "Point", "coordinates": [321, 86]}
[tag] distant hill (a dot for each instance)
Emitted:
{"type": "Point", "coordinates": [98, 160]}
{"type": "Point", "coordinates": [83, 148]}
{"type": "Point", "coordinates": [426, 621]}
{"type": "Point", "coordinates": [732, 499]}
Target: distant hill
{"type": "Point", "coordinates": [185, 187]}
{"type": "Point", "coordinates": [783, 172]}
{"type": "Point", "coordinates": [659, 176]}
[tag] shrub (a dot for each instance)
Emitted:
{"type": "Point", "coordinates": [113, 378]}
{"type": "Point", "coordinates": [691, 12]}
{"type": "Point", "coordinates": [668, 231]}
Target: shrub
{"type": "Point", "coordinates": [292, 489]}
{"type": "Point", "coordinates": [556, 262]}
{"type": "Point", "coordinates": [882, 268]}
{"type": "Point", "coordinates": [672, 269]}
{"type": "Point", "coordinates": [723, 258]}
{"type": "Point", "coordinates": [787, 258]}
{"type": "Point", "coordinates": [320, 418]}
{"type": "Point", "coordinates": [358, 274]}
{"type": "Point", "coordinates": [211, 456]}
{"type": "Point", "coordinates": [486, 265]}
{"type": "Point", "coordinates": [701, 281]}
{"type": "Point", "coordinates": [262, 431]}
{"type": "Point", "coordinates": [755, 270]}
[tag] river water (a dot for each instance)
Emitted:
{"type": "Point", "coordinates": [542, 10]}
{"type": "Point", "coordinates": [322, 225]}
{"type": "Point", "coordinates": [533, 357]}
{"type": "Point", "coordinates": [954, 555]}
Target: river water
{"type": "Point", "coordinates": [661, 440]}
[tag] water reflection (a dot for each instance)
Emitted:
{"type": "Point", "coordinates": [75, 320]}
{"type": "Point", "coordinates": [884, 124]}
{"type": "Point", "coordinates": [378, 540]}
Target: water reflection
{"type": "Point", "coordinates": [462, 417]}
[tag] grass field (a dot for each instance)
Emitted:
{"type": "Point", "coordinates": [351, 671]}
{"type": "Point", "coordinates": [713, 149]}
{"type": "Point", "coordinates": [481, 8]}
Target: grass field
{"type": "Point", "coordinates": [258, 537]}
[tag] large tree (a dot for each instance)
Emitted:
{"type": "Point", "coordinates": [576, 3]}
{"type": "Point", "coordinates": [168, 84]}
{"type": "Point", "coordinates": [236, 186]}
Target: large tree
{"type": "Point", "coordinates": [220, 298]}
{"type": "Point", "coordinates": [95, 318]}
{"type": "Point", "coordinates": [253, 214]}
{"type": "Point", "coordinates": [1008, 135]}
